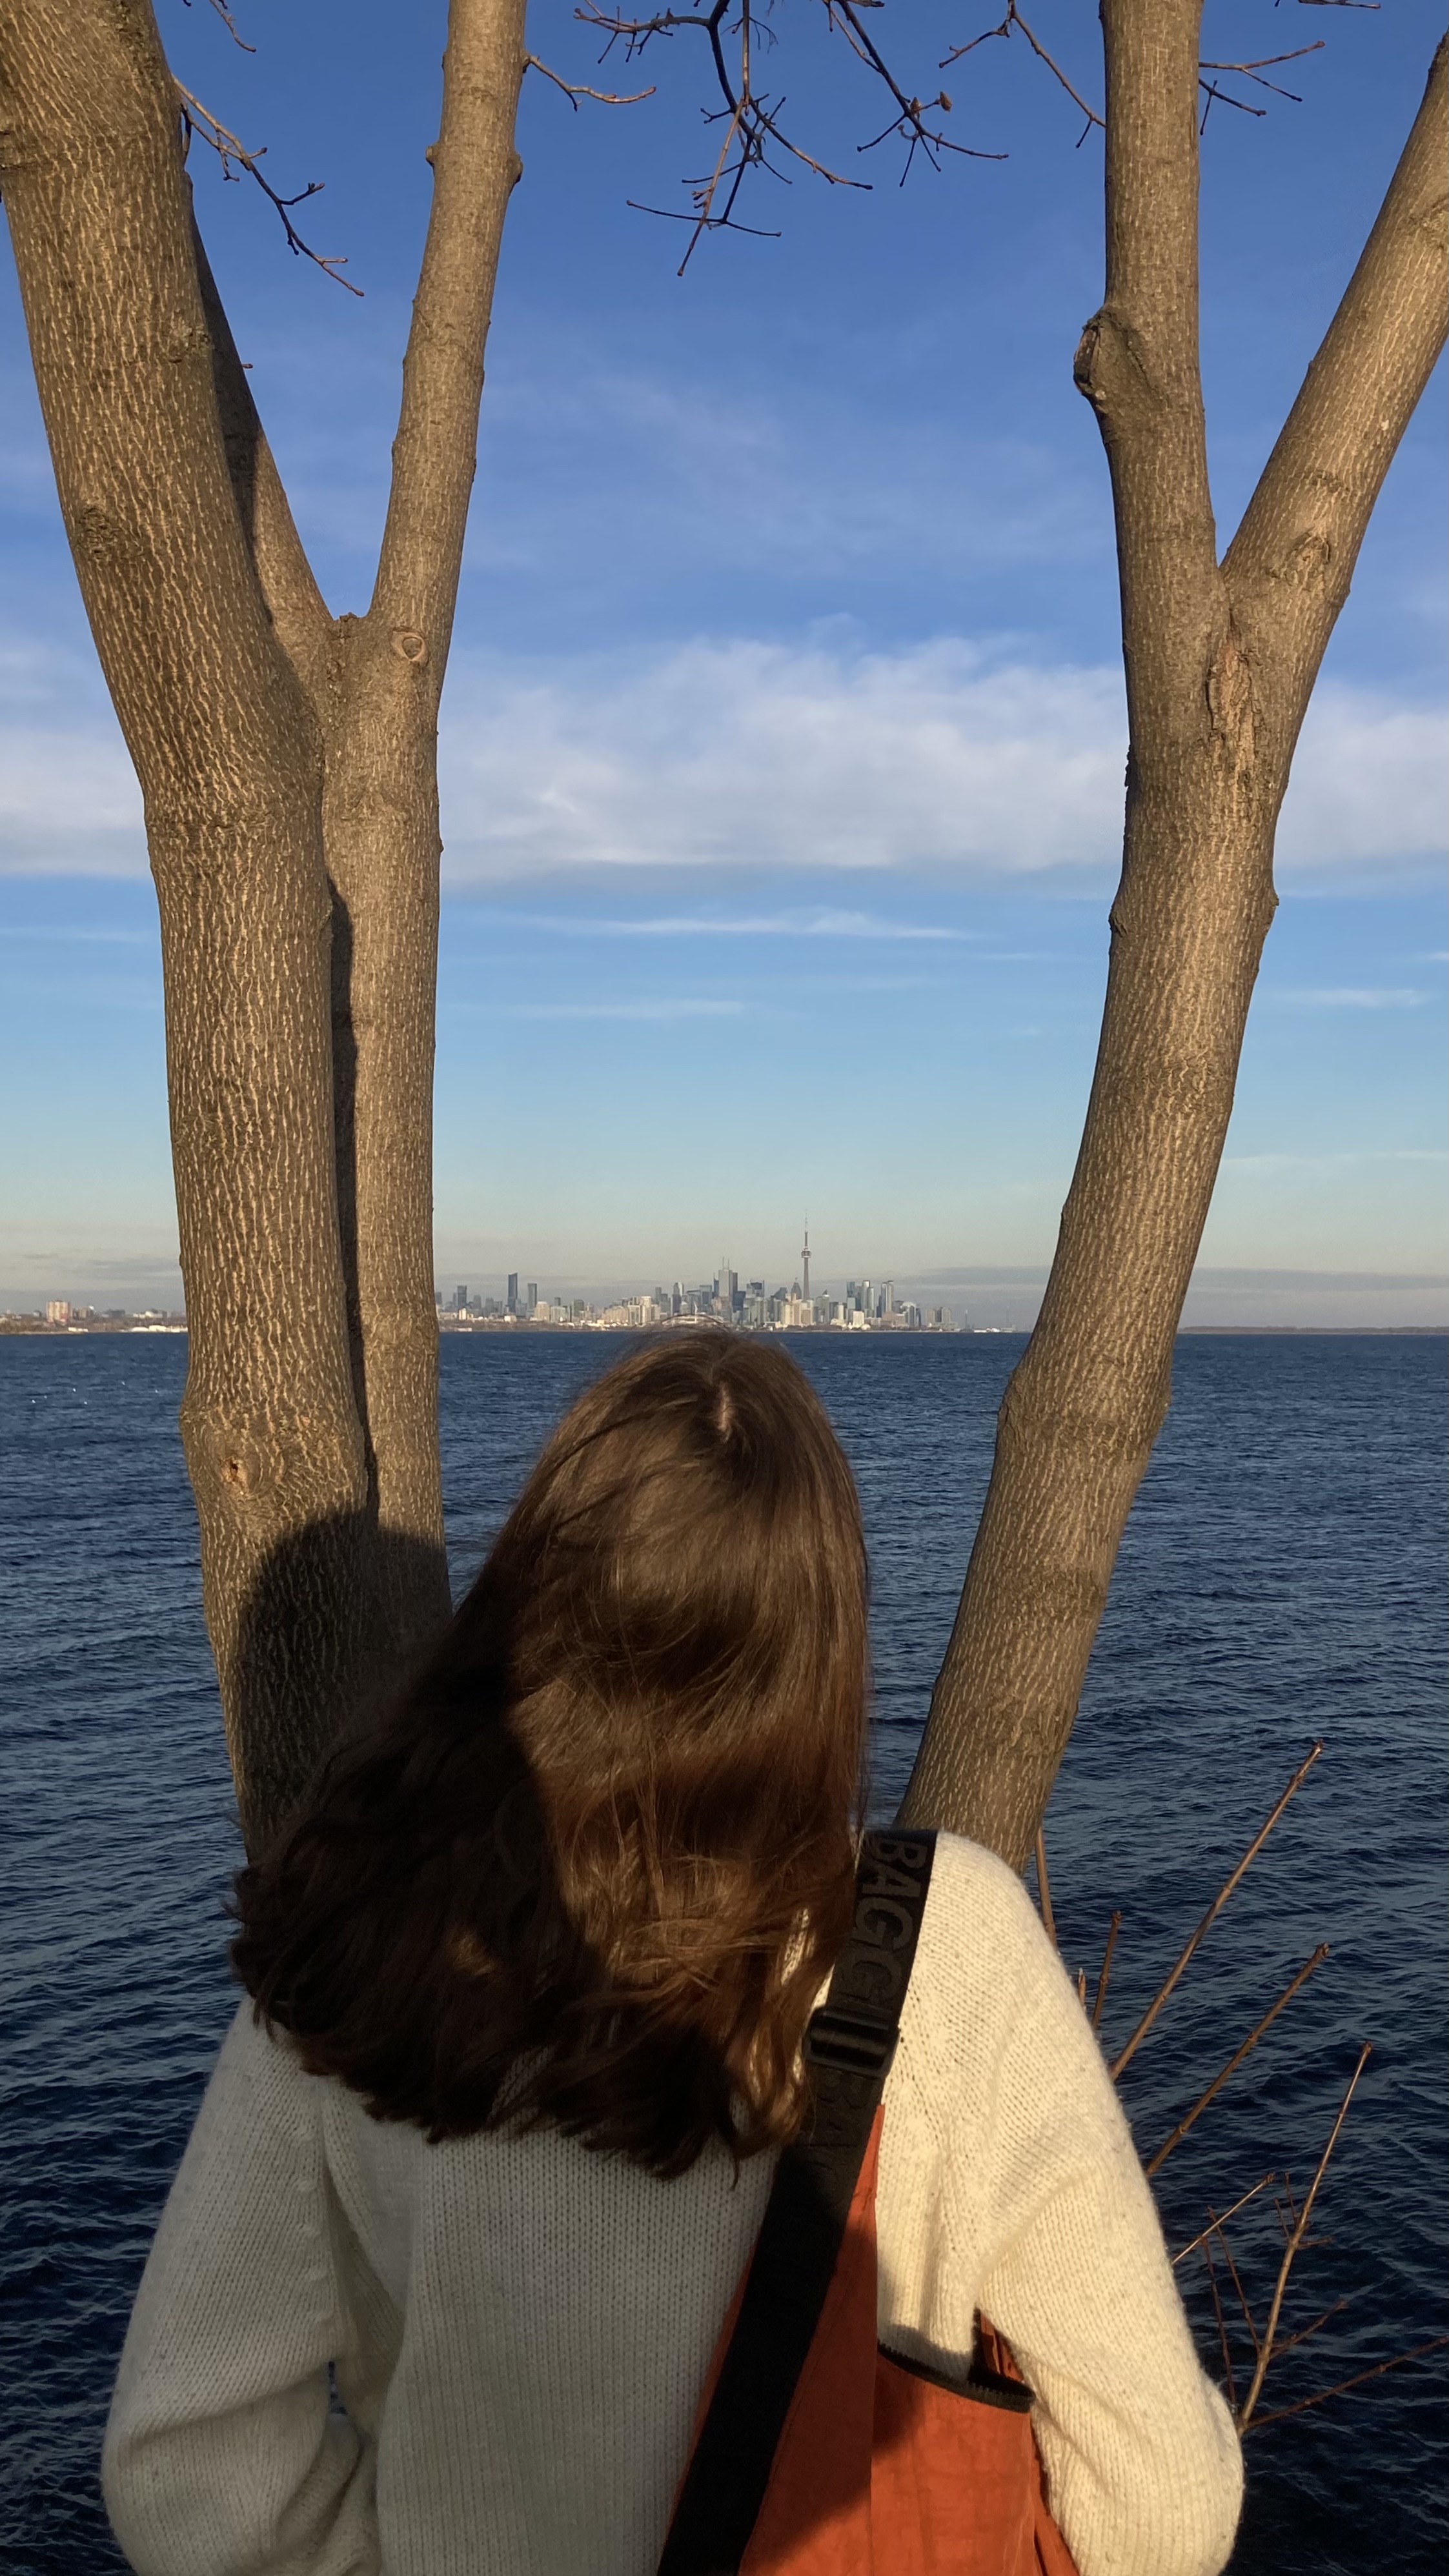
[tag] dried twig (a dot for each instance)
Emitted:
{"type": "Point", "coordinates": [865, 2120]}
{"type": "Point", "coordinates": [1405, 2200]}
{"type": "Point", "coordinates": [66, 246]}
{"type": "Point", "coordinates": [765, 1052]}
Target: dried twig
{"type": "Point", "coordinates": [1235, 2061]}
{"type": "Point", "coordinates": [1104, 1971]}
{"type": "Point", "coordinates": [1305, 2334]}
{"type": "Point", "coordinates": [229, 22]}
{"type": "Point", "coordinates": [1219, 2231]}
{"type": "Point", "coordinates": [1213, 93]}
{"type": "Point", "coordinates": [1265, 2354]}
{"type": "Point", "coordinates": [1125, 2055]}
{"type": "Point", "coordinates": [1044, 1889]}
{"type": "Point", "coordinates": [1228, 2381]}
{"type": "Point", "coordinates": [1254, 71]}
{"type": "Point", "coordinates": [751, 116]}
{"type": "Point", "coordinates": [199, 120]}
{"type": "Point", "coordinates": [1321, 2396]}
{"type": "Point", "coordinates": [1283, 2226]}
{"type": "Point", "coordinates": [909, 120]}
{"type": "Point", "coordinates": [575, 90]}
{"type": "Point", "coordinates": [1014, 18]}
{"type": "Point", "coordinates": [1193, 2243]}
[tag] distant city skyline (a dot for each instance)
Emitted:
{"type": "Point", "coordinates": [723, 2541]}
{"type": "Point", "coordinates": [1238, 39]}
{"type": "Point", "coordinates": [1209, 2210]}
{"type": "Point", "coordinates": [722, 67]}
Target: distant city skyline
{"type": "Point", "coordinates": [749, 1305]}
{"type": "Point", "coordinates": [984, 1297]}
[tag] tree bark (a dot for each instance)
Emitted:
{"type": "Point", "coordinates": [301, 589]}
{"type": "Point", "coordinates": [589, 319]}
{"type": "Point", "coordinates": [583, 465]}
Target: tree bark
{"type": "Point", "coordinates": [380, 821]}
{"type": "Point", "coordinates": [287, 762]}
{"type": "Point", "coordinates": [1220, 663]}
{"type": "Point", "coordinates": [229, 756]}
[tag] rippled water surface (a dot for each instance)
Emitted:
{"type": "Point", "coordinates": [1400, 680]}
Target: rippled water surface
{"type": "Point", "coordinates": [1282, 1578]}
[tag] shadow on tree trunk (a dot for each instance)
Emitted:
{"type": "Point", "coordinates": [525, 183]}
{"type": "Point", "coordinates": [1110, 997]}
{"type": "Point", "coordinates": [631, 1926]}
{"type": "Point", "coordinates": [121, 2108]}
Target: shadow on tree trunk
{"type": "Point", "coordinates": [305, 1680]}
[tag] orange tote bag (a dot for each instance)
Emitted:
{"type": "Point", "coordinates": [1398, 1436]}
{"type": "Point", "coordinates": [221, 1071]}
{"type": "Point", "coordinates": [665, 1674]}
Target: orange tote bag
{"type": "Point", "coordinates": [817, 2451]}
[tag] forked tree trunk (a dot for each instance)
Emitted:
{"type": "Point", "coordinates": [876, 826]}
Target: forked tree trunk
{"type": "Point", "coordinates": [288, 766]}
{"type": "Point", "coordinates": [1220, 662]}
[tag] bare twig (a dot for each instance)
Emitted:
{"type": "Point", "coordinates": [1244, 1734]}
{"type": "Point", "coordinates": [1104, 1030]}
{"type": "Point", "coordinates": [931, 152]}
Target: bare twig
{"type": "Point", "coordinates": [1228, 2381]}
{"type": "Point", "coordinates": [1125, 2055]}
{"type": "Point", "coordinates": [1265, 2354]}
{"type": "Point", "coordinates": [908, 121]}
{"type": "Point", "coordinates": [199, 120]}
{"type": "Point", "coordinates": [1305, 2334]}
{"type": "Point", "coordinates": [1193, 2243]}
{"type": "Point", "coordinates": [575, 90]}
{"type": "Point", "coordinates": [1321, 2396]}
{"type": "Point", "coordinates": [1213, 93]}
{"type": "Point", "coordinates": [1104, 1971]}
{"type": "Point", "coordinates": [1014, 18]}
{"type": "Point", "coordinates": [752, 118]}
{"type": "Point", "coordinates": [1283, 2225]}
{"type": "Point", "coordinates": [1235, 2061]}
{"type": "Point", "coordinates": [229, 22]}
{"type": "Point", "coordinates": [1044, 1889]}
{"type": "Point", "coordinates": [1254, 71]}
{"type": "Point", "coordinates": [1220, 2232]}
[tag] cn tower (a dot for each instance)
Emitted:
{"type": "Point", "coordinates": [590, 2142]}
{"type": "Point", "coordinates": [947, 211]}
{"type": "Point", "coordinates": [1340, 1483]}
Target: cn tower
{"type": "Point", "coordinates": [805, 1263]}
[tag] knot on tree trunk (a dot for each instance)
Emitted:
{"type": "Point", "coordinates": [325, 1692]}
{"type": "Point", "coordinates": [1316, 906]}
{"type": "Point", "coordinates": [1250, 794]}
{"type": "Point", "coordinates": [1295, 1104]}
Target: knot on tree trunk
{"type": "Point", "coordinates": [1230, 702]}
{"type": "Point", "coordinates": [1110, 368]}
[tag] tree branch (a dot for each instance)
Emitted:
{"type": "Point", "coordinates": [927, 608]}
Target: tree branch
{"type": "Point", "coordinates": [1289, 566]}
{"type": "Point", "coordinates": [1086, 1402]}
{"type": "Point", "coordinates": [295, 605]}
{"type": "Point", "coordinates": [380, 824]}
{"type": "Point", "coordinates": [575, 90]}
{"type": "Point", "coordinates": [475, 168]}
{"type": "Point", "coordinates": [199, 120]}
{"type": "Point", "coordinates": [1137, 362]}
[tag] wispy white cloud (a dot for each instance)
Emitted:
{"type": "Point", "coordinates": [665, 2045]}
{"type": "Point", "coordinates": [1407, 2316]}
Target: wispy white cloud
{"type": "Point", "coordinates": [738, 755]}
{"type": "Point", "coordinates": [51, 935]}
{"type": "Point", "coordinates": [1271, 1166]}
{"type": "Point", "coordinates": [688, 1008]}
{"type": "Point", "coordinates": [728, 757]}
{"type": "Point", "coordinates": [796, 924]}
{"type": "Point", "coordinates": [746, 754]}
{"type": "Point", "coordinates": [69, 802]}
{"type": "Point", "coordinates": [1349, 997]}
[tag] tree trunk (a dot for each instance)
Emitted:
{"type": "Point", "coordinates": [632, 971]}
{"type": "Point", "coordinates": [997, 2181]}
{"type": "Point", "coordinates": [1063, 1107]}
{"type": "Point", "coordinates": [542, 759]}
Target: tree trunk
{"type": "Point", "coordinates": [288, 769]}
{"type": "Point", "coordinates": [229, 756]}
{"type": "Point", "coordinates": [381, 823]}
{"type": "Point", "coordinates": [1220, 663]}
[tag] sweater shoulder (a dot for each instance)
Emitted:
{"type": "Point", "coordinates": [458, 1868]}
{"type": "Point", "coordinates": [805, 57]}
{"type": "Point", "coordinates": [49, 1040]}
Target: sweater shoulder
{"type": "Point", "coordinates": [980, 1934]}
{"type": "Point", "coordinates": [989, 2015]}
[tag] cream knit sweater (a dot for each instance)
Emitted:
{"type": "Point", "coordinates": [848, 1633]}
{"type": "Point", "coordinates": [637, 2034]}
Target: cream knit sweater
{"type": "Point", "coordinates": [518, 2329]}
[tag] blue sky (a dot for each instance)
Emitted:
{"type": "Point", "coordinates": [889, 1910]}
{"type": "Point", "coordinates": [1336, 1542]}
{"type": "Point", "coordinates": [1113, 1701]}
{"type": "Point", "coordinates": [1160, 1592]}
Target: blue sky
{"type": "Point", "coordinates": [783, 740]}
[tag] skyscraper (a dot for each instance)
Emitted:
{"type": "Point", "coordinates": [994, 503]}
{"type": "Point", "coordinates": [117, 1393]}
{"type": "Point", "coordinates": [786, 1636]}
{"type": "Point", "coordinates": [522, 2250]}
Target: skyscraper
{"type": "Point", "coordinates": [531, 1300]}
{"type": "Point", "coordinates": [510, 1303]}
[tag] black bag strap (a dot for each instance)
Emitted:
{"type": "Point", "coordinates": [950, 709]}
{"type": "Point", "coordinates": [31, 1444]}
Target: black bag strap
{"type": "Point", "coordinates": [849, 2044]}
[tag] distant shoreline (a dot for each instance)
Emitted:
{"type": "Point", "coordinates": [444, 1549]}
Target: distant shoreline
{"type": "Point", "coordinates": [17, 1330]}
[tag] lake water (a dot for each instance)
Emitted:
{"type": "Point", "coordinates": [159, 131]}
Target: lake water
{"type": "Point", "coordinates": [1281, 1578]}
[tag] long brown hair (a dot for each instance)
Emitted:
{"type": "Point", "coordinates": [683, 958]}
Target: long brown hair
{"type": "Point", "coordinates": [592, 1867]}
